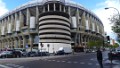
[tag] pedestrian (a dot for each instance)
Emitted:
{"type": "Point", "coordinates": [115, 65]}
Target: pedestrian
{"type": "Point", "coordinates": [99, 58]}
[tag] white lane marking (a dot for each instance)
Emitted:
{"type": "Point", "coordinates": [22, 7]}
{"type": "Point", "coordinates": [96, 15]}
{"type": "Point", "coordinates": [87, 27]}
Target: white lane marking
{"type": "Point", "coordinates": [97, 64]}
{"type": "Point", "coordinates": [58, 61]}
{"type": "Point", "coordinates": [82, 62]}
{"type": "Point", "coordinates": [49, 60]}
{"type": "Point", "coordinates": [75, 62]}
{"type": "Point", "coordinates": [63, 61]}
{"type": "Point", "coordinates": [4, 66]}
{"type": "Point", "coordinates": [89, 63]}
{"type": "Point", "coordinates": [91, 59]}
{"type": "Point", "coordinates": [69, 62]}
{"type": "Point", "coordinates": [21, 67]}
{"type": "Point", "coordinates": [53, 60]}
{"type": "Point", "coordinates": [13, 65]}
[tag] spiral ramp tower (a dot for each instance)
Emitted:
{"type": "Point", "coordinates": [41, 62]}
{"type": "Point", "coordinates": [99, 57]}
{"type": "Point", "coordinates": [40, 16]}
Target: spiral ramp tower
{"type": "Point", "coordinates": [54, 27]}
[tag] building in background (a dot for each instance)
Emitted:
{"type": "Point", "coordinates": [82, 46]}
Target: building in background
{"type": "Point", "coordinates": [49, 25]}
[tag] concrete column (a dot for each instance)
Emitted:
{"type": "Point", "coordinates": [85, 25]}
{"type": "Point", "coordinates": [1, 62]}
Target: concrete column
{"type": "Point", "coordinates": [54, 7]}
{"type": "Point", "coordinates": [85, 40]}
{"type": "Point", "coordinates": [83, 21]}
{"type": "Point", "coordinates": [12, 23]}
{"type": "Point", "coordinates": [1, 44]}
{"type": "Point", "coordinates": [81, 38]}
{"type": "Point", "coordinates": [28, 17]}
{"type": "Point", "coordinates": [16, 18]}
{"type": "Point", "coordinates": [31, 41]}
{"type": "Point", "coordinates": [21, 19]}
{"type": "Point", "coordinates": [48, 8]}
{"type": "Point", "coordinates": [8, 22]}
{"type": "Point", "coordinates": [37, 14]}
{"type": "Point", "coordinates": [24, 41]}
{"type": "Point", "coordinates": [37, 17]}
{"type": "Point", "coordinates": [43, 8]}
{"type": "Point", "coordinates": [19, 42]}
{"type": "Point", "coordinates": [8, 42]}
{"type": "Point", "coordinates": [5, 24]}
{"type": "Point", "coordinates": [64, 8]}
{"type": "Point", "coordinates": [60, 7]}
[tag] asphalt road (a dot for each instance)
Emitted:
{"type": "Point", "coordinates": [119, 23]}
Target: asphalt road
{"type": "Point", "coordinates": [81, 60]}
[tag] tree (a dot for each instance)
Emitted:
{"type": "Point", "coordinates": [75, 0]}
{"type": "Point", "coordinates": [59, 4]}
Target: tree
{"type": "Point", "coordinates": [91, 44]}
{"type": "Point", "coordinates": [97, 44]}
{"type": "Point", "coordinates": [115, 45]}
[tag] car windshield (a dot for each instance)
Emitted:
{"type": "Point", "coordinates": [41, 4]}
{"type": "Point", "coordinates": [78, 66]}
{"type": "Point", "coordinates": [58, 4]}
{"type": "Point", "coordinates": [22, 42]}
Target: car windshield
{"type": "Point", "coordinates": [6, 52]}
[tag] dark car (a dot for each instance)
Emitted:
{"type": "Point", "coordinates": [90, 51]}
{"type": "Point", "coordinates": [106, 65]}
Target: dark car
{"type": "Point", "coordinates": [115, 55]}
{"type": "Point", "coordinates": [32, 54]}
{"type": "Point", "coordinates": [61, 52]}
{"type": "Point", "coordinates": [6, 54]}
{"type": "Point", "coordinates": [43, 54]}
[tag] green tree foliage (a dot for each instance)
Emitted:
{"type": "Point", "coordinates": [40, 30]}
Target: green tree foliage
{"type": "Point", "coordinates": [97, 44]}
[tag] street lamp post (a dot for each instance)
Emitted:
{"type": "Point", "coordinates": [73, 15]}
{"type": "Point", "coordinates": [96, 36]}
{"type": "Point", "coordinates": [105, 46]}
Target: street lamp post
{"type": "Point", "coordinates": [115, 9]}
{"type": "Point", "coordinates": [118, 16]}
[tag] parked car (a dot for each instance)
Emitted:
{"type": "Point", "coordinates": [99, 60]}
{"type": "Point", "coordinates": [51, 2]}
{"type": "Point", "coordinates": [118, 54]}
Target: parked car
{"type": "Point", "coordinates": [32, 54]}
{"type": "Point", "coordinates": [6, 54]}
{"type": "Point", "coordinates": [60, 52]}
{"type": "Point", "coordinates": [45, 53]}
{"type": "Point", "coordinates": [114, 55]}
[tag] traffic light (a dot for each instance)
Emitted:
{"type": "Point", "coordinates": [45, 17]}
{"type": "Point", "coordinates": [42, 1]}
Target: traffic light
{"type": "Point", "coordinates": [108, 39]}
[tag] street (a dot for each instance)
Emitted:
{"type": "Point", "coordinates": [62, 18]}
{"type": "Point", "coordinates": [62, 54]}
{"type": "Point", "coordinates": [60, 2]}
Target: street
{"type": "Point", "coordinates": [79, 60]}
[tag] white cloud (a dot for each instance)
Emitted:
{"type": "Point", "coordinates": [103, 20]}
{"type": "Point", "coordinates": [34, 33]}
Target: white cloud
{"type": "Point", "coordinates": [3, 8]}
{"type": "Point", "coordinates": [104, 15]}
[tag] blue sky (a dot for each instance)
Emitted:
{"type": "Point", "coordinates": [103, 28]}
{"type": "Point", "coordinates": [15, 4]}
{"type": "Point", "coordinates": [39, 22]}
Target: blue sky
{"type": "Point", "coordinates": [11, 4]}
{"type": "Point", "coordinates": [97, 6]}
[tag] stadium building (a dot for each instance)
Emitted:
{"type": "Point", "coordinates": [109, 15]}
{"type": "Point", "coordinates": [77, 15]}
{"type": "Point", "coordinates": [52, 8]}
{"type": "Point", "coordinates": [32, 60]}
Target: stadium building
{"type": "Point", "coordinates": [49, 25]}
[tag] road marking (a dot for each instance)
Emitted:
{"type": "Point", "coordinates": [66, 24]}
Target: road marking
{"type": "Point", "coordinates": [4, 66]}
{"type": "Point", "coordinates": [13, 65]}
{"type": "Point", "coordinates": [69, 62]}
{"type": "Point", "coordinates": [89, 63]}
{"type": "Point", "coordinates": [97, 64]}
{"type": "Point", "coordinates": [49, 60]}
{"type": "Point", "coordinates": [63, 61]}
{"type": "Point", "coordinates": [21, 67]}
{"type": "Point", "coordinates": [53, 60]}
{"type": "Point", "coordinates": [82, 62]}
{"type": "Point", "coordinates": [58, 61]}
{"type": "Point", "coordinates": [75, 62]}
{"type": "Point", "coordinates": [91, 59]}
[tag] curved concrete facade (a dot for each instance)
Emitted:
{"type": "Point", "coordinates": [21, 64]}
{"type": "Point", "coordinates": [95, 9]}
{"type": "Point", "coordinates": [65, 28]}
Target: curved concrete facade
{"type": "Point", "coordinates": [52, 22]}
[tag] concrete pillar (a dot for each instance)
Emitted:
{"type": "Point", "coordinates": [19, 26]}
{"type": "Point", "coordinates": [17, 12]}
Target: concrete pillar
{"type": "Point", "coordinates": [54, 7]}
{"type": "Point", "coordinates": [0, 44]}
{"type": "Point", "coordinates": [31, 41]}
{"type": "Point", "coordinates": [28, 17]}
{"type": "Point", "coordinates": [37, 17]}
{"type": "Point", "coordinates": [64, 9]}
{"type": "Point", "coordinates": [12, 23]}
{"type": "Point", "coordinates": [48, 8]}
{"type": "Point", "coordinates": [5, 24]}
{"type": "Point", "coordinates": [37, 14]}
{"type": "Point", "coordinates": [24, 41]}
{"type": "Point", "coordinates": [19, 42]}
{"type": "Point", "coordinates": [60, 7]}
{"type": "Point", "coordinates": [81, 38]}
{"type": "Point", "coordinates": [16, 18]}
{"type": "Point", "coordinates": [8, 42]}
{"type": "Point", "coordinates": [43, 8]}
{"type": "Point", "coordinates": [21, 19]}
{"type": "Point", "coordinates": [83, 21]}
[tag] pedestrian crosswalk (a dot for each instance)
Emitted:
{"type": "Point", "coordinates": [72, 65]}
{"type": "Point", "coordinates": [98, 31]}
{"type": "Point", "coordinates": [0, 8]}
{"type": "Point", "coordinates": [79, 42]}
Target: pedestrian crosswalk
{"type": "Point", "coordinates": [11, 66]}
{"type": "Point", "coordinates": [71, 62]}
